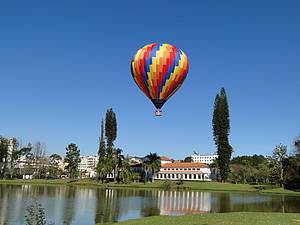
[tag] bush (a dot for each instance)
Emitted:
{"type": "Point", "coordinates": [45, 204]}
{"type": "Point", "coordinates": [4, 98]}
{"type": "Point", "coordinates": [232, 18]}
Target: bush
{"type": "Point", "coordinates": [36, 214]}
{"type": "Point", "coordinates": [179, 182]}
{"type": "Point", "coordinates": [166, 185]}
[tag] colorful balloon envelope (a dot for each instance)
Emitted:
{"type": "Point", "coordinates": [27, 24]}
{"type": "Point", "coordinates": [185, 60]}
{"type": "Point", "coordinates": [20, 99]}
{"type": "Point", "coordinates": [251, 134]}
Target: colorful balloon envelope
{"type": "Point", "coordinates": [159, 70]}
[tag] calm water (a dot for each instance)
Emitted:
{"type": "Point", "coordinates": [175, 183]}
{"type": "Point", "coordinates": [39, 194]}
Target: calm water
{"type": "Point", "coordinates": [80, 205]}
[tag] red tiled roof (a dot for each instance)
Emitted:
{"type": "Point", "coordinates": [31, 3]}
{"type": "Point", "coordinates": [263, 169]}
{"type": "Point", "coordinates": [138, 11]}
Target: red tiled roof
{"type": "Point", "coordinates": [165, 158]}
{"type": "Point", "coordinates": [185, 165]}
{"type": "Point", "coordinates": [180, 172]}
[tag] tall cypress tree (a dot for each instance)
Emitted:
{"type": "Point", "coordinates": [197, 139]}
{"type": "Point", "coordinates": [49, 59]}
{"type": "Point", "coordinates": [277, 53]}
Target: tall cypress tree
{"type": "Point", "coordinates": [221, 129]}
{"type": "Point", "coordinates": [101, 150]}
{"type": "Point", "coordinates": [102, 166]}
{"type": "Point", "coordinates": [110, 129]}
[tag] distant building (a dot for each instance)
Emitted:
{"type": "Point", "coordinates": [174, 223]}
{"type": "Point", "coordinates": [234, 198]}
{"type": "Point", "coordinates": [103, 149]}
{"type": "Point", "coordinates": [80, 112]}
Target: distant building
{"type": "Point", "coordinates": [87, 165]}
{"type": "Point", "coordinates": [186, 171]}
{"type": "Point", "coordinates": [164, 160]}
{"type": "Point", "coordinates": [135, 160]}
{"type": "Point", "coordinates": [10, 149]}
{"type": "Point", "coordinates": [208, 159]}
{"type": "Point", "coordinates": [137, 164]}
{"type": "Point", "coordinates": [22, 161]}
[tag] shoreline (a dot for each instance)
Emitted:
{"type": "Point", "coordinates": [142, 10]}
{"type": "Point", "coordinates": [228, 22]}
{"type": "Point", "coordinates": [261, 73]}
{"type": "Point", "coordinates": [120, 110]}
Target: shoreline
{"type": "Point", "coordinates": [187, 186]}
{"type": "Point", "coordinates": [231, 218]}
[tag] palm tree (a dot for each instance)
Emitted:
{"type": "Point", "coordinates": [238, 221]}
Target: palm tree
{"type": "Point", "coordinates": [153, 164]}
{"type": "Point", "coordinates": [104, 167]}
{"type": "Point", "coordinates": [117, 159]}
{"type": "Point", "coordinates": [125, 171]}
{"type": "Point", "coordinates": [146, 169]}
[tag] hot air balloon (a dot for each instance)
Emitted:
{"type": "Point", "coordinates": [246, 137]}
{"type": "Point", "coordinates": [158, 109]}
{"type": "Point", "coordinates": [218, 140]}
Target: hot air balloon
{"type": "Point", "coordinates": [159, 70]}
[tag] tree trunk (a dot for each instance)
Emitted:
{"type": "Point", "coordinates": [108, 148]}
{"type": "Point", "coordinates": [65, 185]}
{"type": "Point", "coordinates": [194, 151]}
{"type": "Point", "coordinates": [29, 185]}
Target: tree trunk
{"type": "Point", "coordinates": [281, 176]}
{"type": "Point", "coordinates": [146, 175]}
{"type": "Point", "coordinates": [115, 173]}
{"type": "Point", "coordinates": [152, 176]}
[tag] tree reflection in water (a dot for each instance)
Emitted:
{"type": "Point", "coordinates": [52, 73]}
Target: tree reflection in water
{"type": "Point", "coordinates": [107, 207]}
{"type": "Point", "coordinates": [69, 205]}
{"type": "Point", "coordinates": [150, 204]}
{"type": "Point", "coordinates": [83, 205]}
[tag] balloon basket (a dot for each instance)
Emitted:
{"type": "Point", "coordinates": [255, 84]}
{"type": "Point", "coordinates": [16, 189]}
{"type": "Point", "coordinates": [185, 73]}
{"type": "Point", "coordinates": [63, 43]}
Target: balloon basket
{"type": "Point", "coordinates": [158, 112]}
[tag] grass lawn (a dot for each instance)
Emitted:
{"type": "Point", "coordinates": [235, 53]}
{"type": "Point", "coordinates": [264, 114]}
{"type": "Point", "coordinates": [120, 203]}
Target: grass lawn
{"type": "Point", "coordinates": [238, 218]}
{"type": "Point", "coordinates": [188, 185]}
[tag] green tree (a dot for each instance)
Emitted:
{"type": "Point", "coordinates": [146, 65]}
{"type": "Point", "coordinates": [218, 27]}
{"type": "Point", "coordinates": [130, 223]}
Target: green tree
{"type": "Point", "coordinates": [125, 171]}
{"type": "Point", "coordinates": [54, 171]}
{"type": "Point", "coordinates": [54, 159]}
{"type": "Point", "coordinates": [146, 168]}
{"type": "Point", "coordinates": [279, 154]}
{"type": "Point", "coordinates": [16, 153]}
{"type": "Point", "coordinates": [263, 172]}
{"type": "Point", "coordinates": [110, 129]}
{"type": "Point", "coordinates": [188, 159]}
{"type": "Point", "coordinates": [104, 167]}
{"type": "Point", "coordinates": [291, 168]}
{"type": "Point", "coordinates": [297, 146]}
{"type": "Point", "coordinates": [117, 159]}
{"type": "Point", "coordinates": [101, 150]}
{"type": "Point", "coordinates": [221, 129]}
{"type": "Point", "coordinates": [153, 164]}
{"type": "Point", "coordinates": [73, 159]}
{"type": "Point", "coordinates": [4, 156]}
{"type": "Point", "coordinates": [253, 160]}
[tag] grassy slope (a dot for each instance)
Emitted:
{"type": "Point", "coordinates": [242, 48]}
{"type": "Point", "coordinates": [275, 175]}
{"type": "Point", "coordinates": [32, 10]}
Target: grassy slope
{"type": "Point", "coordinates": [220, 219]}
{"type": "Point", "coordinates": [208, 186]}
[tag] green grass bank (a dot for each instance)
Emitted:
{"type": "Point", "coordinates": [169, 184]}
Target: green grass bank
{"type": "Point", "coordinates": [187, 185]}
{"type": "Point", "coordinates": [237, 218]}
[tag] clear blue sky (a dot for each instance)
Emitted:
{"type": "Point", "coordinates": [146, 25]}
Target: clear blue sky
{"type": "Point", "coordinates": [63, 63]}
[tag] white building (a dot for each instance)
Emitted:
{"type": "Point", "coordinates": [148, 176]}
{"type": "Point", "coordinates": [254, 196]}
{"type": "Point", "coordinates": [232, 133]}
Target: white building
{"type": "Point", "coordinates": [208, 159]}
{"type": "Point", "coordinates": [88, 165]}
{"type": "Point", "coordinates": [185, 171]}
{"type": "Point", "coordinates": [135, 160]}
{"type": "Point", "coordinates": [164, 160]}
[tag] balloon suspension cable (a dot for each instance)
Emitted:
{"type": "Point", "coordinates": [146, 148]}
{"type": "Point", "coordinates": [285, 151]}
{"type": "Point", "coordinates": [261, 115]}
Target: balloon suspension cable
{"type": "Point", "coordinates": [158, 112]}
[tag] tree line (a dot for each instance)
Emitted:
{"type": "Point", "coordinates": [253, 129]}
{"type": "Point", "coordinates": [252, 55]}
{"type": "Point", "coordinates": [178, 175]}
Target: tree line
{"type": "Point", "coordinates": [280, 169]}
{"type": "Point", "coordinates": [35, 161]}
{"type": "Point", "coordinates": [111, 159]}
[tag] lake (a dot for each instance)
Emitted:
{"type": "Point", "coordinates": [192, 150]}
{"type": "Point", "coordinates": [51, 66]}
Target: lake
{"type": "Point", "coordinates": [85, 205]}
